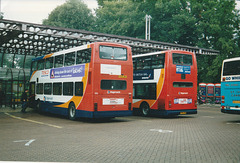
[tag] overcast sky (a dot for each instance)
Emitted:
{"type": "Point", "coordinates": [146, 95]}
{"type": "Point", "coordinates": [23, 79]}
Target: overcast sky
{"type": "Point", "coordinates": [34, 11]}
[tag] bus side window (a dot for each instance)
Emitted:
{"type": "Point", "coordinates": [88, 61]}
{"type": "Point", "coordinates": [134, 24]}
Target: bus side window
{"type": "Point", "coordinates": [158, 61]}
{"type": "Point", "coordinates": [78, 88]}
{"type": "Point", "coordinates": [57, 88]}
{"type": "Point", "coordinates": [48, 88]}
{"type": "Point", "coordinates": [34, 66]}
{"type": "Point", "coordinates": [40, 65]}
{"type": "Point", "coordinates": [40, 88]}
{"type": "Point", "coordinates": [49, 63]}
{"type": "Point", "coordinates": [83, 56]}
{"type": "Point", "coordinates": [58, 61]}
{"type": "Point", "coordinates": [68, 88]}
{"type": "Point", "coordinates": [69, 59]}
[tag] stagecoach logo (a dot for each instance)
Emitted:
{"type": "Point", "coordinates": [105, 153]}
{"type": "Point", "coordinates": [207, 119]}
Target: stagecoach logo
{"type": "Point", "coordinates": [113, 92]}
{"type": "Point", "coordinates": [68, 72]}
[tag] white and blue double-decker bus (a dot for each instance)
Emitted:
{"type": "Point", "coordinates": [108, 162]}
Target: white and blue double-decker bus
{"type": "Point", "coordinates": [230, 86]}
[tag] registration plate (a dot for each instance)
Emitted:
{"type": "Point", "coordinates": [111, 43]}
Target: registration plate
{"type": "Point", "coordinates": [113, 101]}
{"type": "Point", "coordinates": [182, 113]}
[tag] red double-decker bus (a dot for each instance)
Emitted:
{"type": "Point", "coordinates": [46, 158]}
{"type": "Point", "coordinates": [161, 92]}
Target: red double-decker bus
{"type": "Point", "coordinates": [93, 81]}
{"type": "Point", "coordinates": [165, 83]}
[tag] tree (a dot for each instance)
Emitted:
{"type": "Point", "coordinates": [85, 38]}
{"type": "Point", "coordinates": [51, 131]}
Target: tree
{"type": "Point", "coordinates": [72, 14]}
{"type": "Point", "coordinates": [120, 18]}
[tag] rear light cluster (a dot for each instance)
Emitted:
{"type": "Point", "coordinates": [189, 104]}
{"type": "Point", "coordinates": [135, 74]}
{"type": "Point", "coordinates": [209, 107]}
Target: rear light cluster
{"type": "Point", "coordinates": [195, 102]}
{"type": "Point", "coordinates": [223, 99]}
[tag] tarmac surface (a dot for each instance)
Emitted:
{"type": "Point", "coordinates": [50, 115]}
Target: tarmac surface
{"type": "Point", "coordinates": [209, 136]}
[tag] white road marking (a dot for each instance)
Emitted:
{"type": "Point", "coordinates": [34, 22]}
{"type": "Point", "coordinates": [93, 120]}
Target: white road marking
{"type": "Point", "coordinates": [32, 121]}
{"type": "Point", "coordinates": [233, 123]}
{"type": "Point", "coordinates": [28, 141]}
{"type": "Point", "coordinates": [161, 131]}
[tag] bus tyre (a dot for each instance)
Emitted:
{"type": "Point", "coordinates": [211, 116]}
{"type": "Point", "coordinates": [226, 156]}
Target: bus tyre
{"type": "Point", "coordinates": [72, 112]}
{"type": "Point", "coordinates": [145, 109]}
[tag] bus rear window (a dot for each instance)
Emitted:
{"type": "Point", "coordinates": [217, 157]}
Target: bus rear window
{"type": "Point", "coordinates": [231, 68]}
{"type": "Point", "coordinates": [182, 84]}
{"type": "Point", "coordinates": [113, 84]}
{"type": "Point", "coordinates": [182, 59]}
{"type": "Point", "coordinates": [114, 53]}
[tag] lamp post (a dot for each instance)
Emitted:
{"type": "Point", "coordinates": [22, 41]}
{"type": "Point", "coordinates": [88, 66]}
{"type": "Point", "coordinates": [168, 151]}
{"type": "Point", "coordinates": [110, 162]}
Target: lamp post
{"type": "Point", "coordinates": [148, 27]}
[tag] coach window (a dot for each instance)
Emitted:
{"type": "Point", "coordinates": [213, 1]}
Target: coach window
{"type": "Point", "coordinates": [83, 56]}
{"type": "Point", "coordinates": [146, 62]}
{"type": "Point", "coordinates": [113, 84]}
{"type": "Point", "coordinates": [158, 61]}
{"type": "Point", "coordinates": [48, 88]}
{"type": "Point", "coordinates": [57, 88]}
{"type": "Point", "coordinates": [41, 64]}
{"type": "Point", "coordinates": [69, 59]}
{"type": "Point", "coordinates": [78, 88]}
{"type": "Point", "coordinates": [49, 63]}
{"type": "Point", "coordinates": [40, 88]}
{"type": "Point", "coordinates": [68, 88]}
{"type": "Point", "coordinates": [145, 91]}
{"type": "Point", "coordinates": [58, 61]}
{"type": "Point", "coordinates": [34, 66]}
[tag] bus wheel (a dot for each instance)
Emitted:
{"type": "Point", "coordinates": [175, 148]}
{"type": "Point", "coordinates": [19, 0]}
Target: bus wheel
{"type": "Point", "coordinates": [72, 112]}
{"type": "Point", "coordinates": [145, 109]}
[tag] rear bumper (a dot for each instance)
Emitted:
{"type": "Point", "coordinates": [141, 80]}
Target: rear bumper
{"type": "Point", "coordinates": [169, 112]}
{"type": "Point", "coordinates": [230, 111]}
{"type": "Point", "coordinates": [103, 114]}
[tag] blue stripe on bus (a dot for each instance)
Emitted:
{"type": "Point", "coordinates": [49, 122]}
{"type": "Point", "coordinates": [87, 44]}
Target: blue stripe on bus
{"type": "Point", "coordinates": [49, 107]}
{"type": "Point", "coordinates": [169, 112]}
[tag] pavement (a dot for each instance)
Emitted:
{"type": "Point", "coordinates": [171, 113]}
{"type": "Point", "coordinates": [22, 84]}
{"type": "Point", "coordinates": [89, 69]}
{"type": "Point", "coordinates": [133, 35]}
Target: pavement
{"type": "Point", "coordinates": [11, 109]}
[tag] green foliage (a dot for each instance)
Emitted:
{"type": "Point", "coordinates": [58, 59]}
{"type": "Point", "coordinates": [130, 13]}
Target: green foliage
{"type": "Point", "coordinates": [120, 18]}
{"type": "Point", "coordinates": [202, 23]}
{"type": "Point", "coordinates": [72, 14]}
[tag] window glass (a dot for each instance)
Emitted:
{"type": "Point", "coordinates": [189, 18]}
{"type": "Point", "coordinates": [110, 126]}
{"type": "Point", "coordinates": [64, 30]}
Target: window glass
{"type": "Point", "coordinates": [49, 63]}
{"type": "Point", "coordinates": [231, 68]}
{"type": "Point", "coordinates": [48, 88]}
{"type": "Point", "coordinates": [115, 53]}
{"type": "Point", "coordinates": [40, 64]}
{"type": "Point", "coordinates": [144, 91]}
{"type": "Point", "coordinates": [158, 61]}
{"type": "Point", "coordinates": [113, 84]}
{"type": "Point", "coordinates": [182, 84]}
{"type": "Point", "coordinates": [79, 88]}
{"type": "Point", "coordinates": [40, 88]}
{"type": "Point", "coordinates": [28, 61]}
{"type": "Point", "coordinates": [69, 59]}
{"type": "Point", "coordinates": [58, 61]}
{"type": "Point", "coordinates": [18, 61]}
{"type": "Point", "coordinates": [83, 56]}
{"type": "Point", "coordinates": [57, 88]}
{"type": "Point", "coordinates": [8, 60]}
{"type": "Point", "coordinates": [182, 59]}
{"type": "Point", "coordinates": [68, 88]}
{"type": "Point", "coordinates": [34, 66]}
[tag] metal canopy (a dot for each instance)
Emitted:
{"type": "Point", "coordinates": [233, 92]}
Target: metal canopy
{"type": "Point", "coordinates": [35, 39]}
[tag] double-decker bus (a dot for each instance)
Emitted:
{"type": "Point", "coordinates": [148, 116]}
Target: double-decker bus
{"type": "Point", "coordinates": [93, 81]}
{"type": "Point", "coordinates": [230, 86]}
{"type": "Point", "coordinates": [165, 83]}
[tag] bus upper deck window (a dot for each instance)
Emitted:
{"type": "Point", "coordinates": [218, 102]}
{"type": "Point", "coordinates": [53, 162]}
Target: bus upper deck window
{"type": "Point", "coordinates": [114, 53]}
{"type": "Point", "coordinates": [58, 61]}
{"type": "Point", "coordinates": [49, 63]}
{"type": "Point", "coordinates": [182, 59]}
{"type": "Point", "coordinates": [69, 59]}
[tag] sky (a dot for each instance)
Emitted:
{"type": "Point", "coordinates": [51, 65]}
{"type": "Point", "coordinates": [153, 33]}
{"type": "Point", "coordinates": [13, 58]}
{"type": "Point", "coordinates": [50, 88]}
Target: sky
{"type": "Point", "coordinates": [34, 11]}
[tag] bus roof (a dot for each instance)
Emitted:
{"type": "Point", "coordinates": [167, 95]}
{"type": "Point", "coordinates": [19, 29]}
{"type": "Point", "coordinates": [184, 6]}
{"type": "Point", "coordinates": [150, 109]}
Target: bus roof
{"type": "Point", "coordinates": [156, 53]}
{"type": "Point", "coordinates": [231, 59]}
